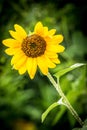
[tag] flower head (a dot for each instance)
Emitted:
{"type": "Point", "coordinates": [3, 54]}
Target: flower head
{"type": "Point", "coordinates": [38, 49]}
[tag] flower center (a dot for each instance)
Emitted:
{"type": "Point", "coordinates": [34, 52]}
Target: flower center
{"type": "Point", "coordinates": [34, 46]}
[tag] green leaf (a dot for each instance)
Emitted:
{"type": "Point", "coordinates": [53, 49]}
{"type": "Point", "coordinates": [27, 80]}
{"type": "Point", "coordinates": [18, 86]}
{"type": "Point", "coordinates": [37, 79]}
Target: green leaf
{"type": "Point", "coordinates": [48, 110]}
{"type": "Point", "coordinates": [66, 70]}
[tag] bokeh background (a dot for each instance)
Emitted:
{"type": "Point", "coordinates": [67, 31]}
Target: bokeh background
{"type": "Point", "coordinates": [22, 101]}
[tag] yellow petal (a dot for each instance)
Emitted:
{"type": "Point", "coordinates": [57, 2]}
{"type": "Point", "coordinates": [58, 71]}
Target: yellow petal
{"type": "Point", "coordinates": [31, 67]}
{"type": "Point", "coordinates": [51, 54]}
{"type": "Point", "coordinates": [49, 63]}
{"type": "Point", "coordinates": [11, 51]}
{"type": "Point", "coordinates": [39, 28]}
{"type": "Point", "coordinates": [55, 60]}
{"type": "Point", "coordinates": [52, 32]}
{"type": "Point", "coordinates": [29, 64]}
{"type": "Point", "coordinates": [22, 69]}
{"type": "Point", "coordinates": [17, 57]}
{"type": "Point", "coordinates": [60, 48]}
{"type": "Point", "coordinates": [20, 62]}
{"type": "Point", "coordinates": [55, 48]}
{"type": "Point", "coordinates": [20, 31]}
{"type": "Point", "coordinates": [45, 31]}
{"type": "Point", "coordinates": [57, 39]}
{"type": "Point", "coordinates": [11, 42]}
{"type": "Point", "coordinates": [16, 36]}
{"type": "Point", "coordinates": [42, 65]}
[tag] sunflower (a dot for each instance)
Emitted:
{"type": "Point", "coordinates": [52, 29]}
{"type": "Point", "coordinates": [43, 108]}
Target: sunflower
{"type": "Point", "coordinates": [38, 49]}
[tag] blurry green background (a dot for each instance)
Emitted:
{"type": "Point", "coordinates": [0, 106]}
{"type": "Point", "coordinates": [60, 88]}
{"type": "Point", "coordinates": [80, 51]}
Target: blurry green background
{"type": "Point", "coordinates": [22, 101]}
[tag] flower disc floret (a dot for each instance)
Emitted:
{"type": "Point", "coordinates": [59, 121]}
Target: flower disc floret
{"type": "Point", "coordinates": [34, 46]}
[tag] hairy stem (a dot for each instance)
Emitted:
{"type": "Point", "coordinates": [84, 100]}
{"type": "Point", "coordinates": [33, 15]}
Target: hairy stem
{"type": "Point", "coordinates": [65, 100]}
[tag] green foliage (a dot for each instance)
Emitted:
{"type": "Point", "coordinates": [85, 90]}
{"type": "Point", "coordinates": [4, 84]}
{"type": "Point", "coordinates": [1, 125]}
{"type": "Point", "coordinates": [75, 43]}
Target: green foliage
{"type": "Point", "coordinates": [78, 47]}
{"type": "Point", "coordinates": [12, 93]}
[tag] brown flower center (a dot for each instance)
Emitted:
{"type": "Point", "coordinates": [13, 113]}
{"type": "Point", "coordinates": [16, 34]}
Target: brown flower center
{"type": "Point", "coordinates": [34, 46]}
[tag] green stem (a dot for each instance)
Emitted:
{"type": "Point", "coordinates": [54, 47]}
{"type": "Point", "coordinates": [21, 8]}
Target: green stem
{"type": "Point", "coordinates": [65, 100]}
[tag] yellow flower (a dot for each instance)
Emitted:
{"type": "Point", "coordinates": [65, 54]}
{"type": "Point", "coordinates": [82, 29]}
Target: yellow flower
{"type": "Point", "coordinates": [38, 49]}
